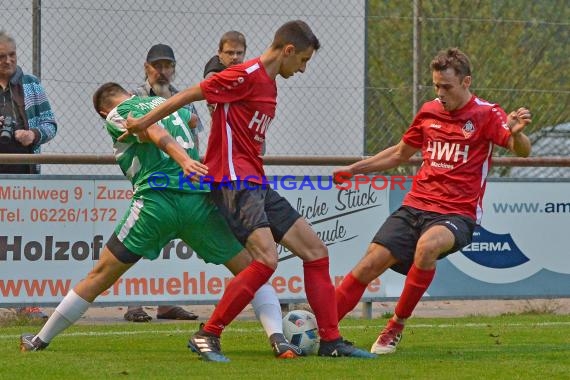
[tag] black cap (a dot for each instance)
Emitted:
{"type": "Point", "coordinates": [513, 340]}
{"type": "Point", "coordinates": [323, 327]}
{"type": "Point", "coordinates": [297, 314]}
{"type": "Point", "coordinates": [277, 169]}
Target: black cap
{"type": "Point", "coordinates": [160, 51]}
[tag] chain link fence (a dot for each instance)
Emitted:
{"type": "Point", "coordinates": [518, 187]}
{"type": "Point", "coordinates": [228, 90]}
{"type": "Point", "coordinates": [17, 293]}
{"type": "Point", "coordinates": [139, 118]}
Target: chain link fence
{"type": "Point", "coordinates": [360, 90]}
{"type": "Point", "coordinates": [518, 49]}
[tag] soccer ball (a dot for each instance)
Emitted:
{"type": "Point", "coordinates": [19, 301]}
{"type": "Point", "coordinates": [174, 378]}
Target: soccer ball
{"type": "Point", "coordinates": [300, 328]}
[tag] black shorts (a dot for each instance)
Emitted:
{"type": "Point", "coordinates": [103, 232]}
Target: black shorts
{"type": "Point", "coordinates": [247, 206]}
{"type": "Point", "coordinates": [402, 230]}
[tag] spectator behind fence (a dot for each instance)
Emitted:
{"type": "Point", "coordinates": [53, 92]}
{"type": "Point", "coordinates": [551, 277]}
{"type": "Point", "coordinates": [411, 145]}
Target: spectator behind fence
{"type": "Point", "coordinates": [26, 120]}
{"type": "Point", "coordinates": [231, 51]}
{"type": "Point", "coordinates": [160, 70]}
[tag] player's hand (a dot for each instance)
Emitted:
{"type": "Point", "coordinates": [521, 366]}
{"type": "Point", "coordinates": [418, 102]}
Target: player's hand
{"type": "Point", "coordinates": [518, 120]}
{"type": "Point", "coordinates": [194, 169]}
{"type": "Point", "coordinates": [342, 174]}
{"type": "Point", "coordinates": [133, 126]}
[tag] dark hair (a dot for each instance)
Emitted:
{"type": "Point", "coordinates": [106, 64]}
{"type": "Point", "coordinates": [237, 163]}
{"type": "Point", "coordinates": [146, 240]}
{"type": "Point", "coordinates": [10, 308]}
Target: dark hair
{"type": "Point", "coordinates": [452, 58]}
{"type": "Point", "coordinates": [297, 33]}
{"type": "Point", "coordinates": [102, 97]}
{"type": "Point", "coordinates": [232, 36]}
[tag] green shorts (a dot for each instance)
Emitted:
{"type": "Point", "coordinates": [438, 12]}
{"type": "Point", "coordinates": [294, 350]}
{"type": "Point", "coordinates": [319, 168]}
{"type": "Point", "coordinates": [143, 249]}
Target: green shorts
{"type": "Point", "coordinates": [156, 217]}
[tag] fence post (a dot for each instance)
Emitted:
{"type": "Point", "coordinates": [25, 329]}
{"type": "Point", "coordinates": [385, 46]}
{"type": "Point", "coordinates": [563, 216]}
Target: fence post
{"type": "Point", "coordinates": [416, 52]}
{"type": "Point", "coordinates": [367, 310]}
{"type": "Point", "coordinates": [37, 38]}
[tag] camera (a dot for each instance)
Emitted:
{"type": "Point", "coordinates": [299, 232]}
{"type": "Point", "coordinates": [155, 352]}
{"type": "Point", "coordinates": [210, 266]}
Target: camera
{"type": "Point", "coordinates": [7, 130]}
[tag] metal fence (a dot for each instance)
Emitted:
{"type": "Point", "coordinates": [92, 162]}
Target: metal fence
{"type": "Point", "coordinates": [359, 92]}
{"type": "Point", "coordinates": [519, 53]}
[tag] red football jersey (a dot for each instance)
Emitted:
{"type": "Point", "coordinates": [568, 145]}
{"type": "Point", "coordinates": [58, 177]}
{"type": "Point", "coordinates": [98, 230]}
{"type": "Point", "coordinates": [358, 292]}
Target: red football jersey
{"type": "Point", "coordinates": [246, 98]}
{"type": "Point", "coordinates": [456, 149]}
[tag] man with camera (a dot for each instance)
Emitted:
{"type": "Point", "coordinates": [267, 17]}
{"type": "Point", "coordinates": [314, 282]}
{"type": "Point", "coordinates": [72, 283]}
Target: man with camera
{"type": "Point", "coordinates": [26, 118]}
{"type": "Point", "coordinates": [26, 121]}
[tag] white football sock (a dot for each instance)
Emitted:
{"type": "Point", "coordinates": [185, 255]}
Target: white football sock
{"type": "Point", "coordinates": [69, 310]}
{"type": "Point", "coordinates": [268, 310]}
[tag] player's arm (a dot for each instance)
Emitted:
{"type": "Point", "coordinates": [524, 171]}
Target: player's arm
{"type": "Point", "coordinates": [519, 143]}
{"type": "Point", "coordinates": [387, 159]}
{"type": "Point", "coordinates": [211, 107]}
{"type": "Point", "coordinates": [163, 140]}
{"type": "Point", "coordinates": [175, 102]}
{"type": "Point", "coordinates": [193, 121]}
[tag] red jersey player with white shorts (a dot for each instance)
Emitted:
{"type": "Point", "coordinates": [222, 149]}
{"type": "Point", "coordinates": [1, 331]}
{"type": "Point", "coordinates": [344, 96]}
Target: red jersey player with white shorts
{"type": "Point", "coordinates": [455, 133]}
{"type": "Point", "coordinates": [245, 95]}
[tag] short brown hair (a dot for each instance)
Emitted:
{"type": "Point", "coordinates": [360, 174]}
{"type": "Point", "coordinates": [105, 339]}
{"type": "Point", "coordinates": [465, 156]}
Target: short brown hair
{"type": "Point", "coordinates": [232, 36]}
{"type": "Point", "coordinates": [297, 33]}
{"type": "Point", "coordinates": [452, 58]}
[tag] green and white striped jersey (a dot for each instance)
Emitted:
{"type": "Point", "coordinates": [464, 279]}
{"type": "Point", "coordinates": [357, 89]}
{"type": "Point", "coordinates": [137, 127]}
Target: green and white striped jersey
{"type": "Point", "coordinates": [144, 164]}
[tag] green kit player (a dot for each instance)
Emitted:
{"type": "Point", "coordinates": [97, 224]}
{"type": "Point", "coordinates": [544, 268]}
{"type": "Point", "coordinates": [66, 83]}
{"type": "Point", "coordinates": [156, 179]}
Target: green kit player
{"type": "Point", "coordinates": [165, 206]}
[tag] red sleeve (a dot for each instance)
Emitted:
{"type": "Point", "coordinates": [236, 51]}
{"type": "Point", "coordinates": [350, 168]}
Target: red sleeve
{"type": "Point", "coordinates": [227, 86]}
{"type": "Point", "coordinates": [497, 130]}
{"type": "Point", "coordinates": [414, 136]}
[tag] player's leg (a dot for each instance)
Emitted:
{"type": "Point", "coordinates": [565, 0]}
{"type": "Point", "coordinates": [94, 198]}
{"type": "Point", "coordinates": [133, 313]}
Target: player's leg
{"type": "Point", "coordinates": [243, 208]}
{"type": "Point", "coordinates": [267, 310]}
{"type": "Point", "coordinates": [160, 223]}
{"type": "Point", "coordinates": [439, 235]}
{"type": "Point", "coordinates": [294, 233]}
{"type": "Point", "coordinates": [241, 289]}
{"type": "Point", "coordinates": [214, 245]}
{"type": "Point", "coordinates": [107, 270]}
{"type": "Point", "coordinates": [349, 292]}
{"type": "Point", "coordinates": [144, 229]}
{"type": "Point", "coordinates": [238, 293]}
{"type": "Point", "coordinates": [398, 236]}
{"type": "Point", "coordinates": [433, 242]}
{"type": "Point", "coordinates": [393, 244]}
{"type": "Point", "coordinates": [302, 241]}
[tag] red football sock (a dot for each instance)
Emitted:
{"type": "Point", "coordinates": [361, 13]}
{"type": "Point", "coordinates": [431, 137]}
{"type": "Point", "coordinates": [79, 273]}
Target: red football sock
{"type": "Point", "coordinates": [348, 293]}
{"type": "Point", "coordinates": [320, 294]}
{"type": "Point", "coordinates": [417, 282]}
{"type": "Point", "coordinates": [238, 294]}
{"type": "Point", "coordinates": [392, 324]}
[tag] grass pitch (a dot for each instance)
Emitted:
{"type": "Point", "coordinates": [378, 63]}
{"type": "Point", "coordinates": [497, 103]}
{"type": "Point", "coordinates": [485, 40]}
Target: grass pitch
{"type": "Point", "coordinates": [505, 347]}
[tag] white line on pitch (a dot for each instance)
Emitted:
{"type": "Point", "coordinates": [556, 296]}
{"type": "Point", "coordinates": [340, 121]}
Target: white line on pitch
{"type": "Point", "coordinates": [189, 331]}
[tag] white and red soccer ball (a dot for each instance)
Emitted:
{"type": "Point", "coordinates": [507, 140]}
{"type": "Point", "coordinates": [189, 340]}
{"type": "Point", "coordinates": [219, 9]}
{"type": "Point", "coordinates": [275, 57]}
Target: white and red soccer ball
{"type": "Point", "coordinates": [300, 328]}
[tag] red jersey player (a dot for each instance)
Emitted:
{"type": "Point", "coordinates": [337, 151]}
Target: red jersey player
{"type": "Point", "coordinates": [245, 95]}
{"type": "Point", "coordinates": [456, 133]}
{"type": "Point", "coordinates": [246, 98]}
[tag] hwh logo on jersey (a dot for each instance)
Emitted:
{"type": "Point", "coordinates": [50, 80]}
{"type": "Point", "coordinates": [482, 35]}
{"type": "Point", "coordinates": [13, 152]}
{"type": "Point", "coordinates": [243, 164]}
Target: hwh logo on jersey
{"type": "Point", "coordinates": [450, 152]}
{"type": "Point", "coordinates": [260, 122]}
